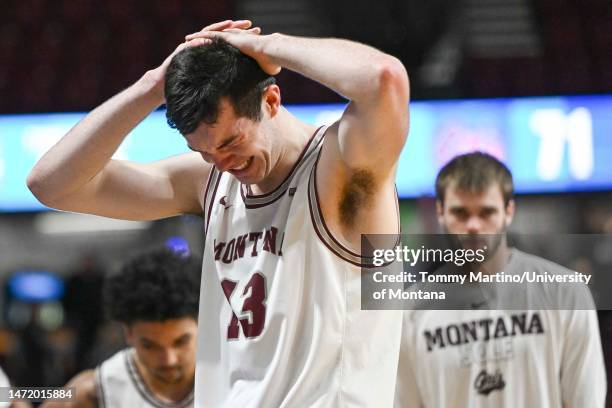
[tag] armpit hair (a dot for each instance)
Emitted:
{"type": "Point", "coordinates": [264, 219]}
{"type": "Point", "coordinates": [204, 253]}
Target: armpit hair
{"type": "Point", "coordinates": [356, 194]}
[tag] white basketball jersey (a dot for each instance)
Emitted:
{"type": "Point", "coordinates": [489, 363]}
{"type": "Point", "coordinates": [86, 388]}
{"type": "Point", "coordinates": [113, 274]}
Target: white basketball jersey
{"type": "Point", "coordinates": [4, 382]}
{"type": "Point", "coordinates": [280, 321]}
{"type": "Point", "coordinates": [502, 358]}
{"type": "Point", "coordinates": [119, 384]}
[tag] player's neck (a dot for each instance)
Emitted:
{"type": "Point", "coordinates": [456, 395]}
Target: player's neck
{"type": "Point", "coordinates": [166, 392]}
{"type": "Point", "coordinates": [290, 137]}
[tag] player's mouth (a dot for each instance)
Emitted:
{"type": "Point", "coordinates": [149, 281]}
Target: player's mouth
{"type": "Point", "coordinates": [477, 242]}
{"type": "Point", "coordinates": [169, 373]}
{"type": "Point", "coordinates": [242, 168]}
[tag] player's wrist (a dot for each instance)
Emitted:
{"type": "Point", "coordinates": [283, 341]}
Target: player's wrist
{"type": "Point", "coordinates": [264, 50]}
{"type": "Point", "coordinates": [268, 43]}
{"type": "Point", "coordinates": [151, 84]}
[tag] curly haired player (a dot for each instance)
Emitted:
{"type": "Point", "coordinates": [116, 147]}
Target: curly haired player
{"type": "Point", "coordinates": [155, 298]}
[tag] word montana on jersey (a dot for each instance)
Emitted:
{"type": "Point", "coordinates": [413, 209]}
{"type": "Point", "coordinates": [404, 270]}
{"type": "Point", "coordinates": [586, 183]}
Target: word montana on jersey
{"type": "Point", "coordinates": [484, 329]}
{"type": "Point", "coordinates": [252, 243]}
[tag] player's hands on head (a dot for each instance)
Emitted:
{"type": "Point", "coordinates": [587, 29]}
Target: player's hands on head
{"type": "Point", "coordinates": [246, 39]}
{"type": "Point", "coordinates": [159, 73]}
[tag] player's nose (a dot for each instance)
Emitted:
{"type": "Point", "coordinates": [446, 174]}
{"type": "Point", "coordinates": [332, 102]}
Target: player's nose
{"type": "Point", "coordinates": [474, 225]}
{"type": "Point", "coordinates": [169, 357]}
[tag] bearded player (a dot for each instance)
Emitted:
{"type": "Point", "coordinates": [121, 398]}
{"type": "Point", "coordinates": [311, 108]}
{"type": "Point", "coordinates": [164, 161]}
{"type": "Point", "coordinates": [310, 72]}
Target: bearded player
{"type": "Point", "coordinates": [496, 358]}
{"type": "Point", "coordinates": [284, 207]}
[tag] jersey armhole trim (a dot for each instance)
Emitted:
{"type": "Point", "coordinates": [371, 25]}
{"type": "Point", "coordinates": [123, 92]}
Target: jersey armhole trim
{"type": "Point", "coordinates": [322, 230]}
{"type": "Point", "coordinates": [209, 196]}
{"type": "Point", "coordinates": [99, 387]}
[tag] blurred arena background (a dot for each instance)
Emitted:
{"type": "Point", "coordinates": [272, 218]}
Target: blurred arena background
{"type": "Point", "coordinates": [70, 55]}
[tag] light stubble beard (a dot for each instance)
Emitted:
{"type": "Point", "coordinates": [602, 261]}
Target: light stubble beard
{"type": "Point", "coordinates": [493, 242]}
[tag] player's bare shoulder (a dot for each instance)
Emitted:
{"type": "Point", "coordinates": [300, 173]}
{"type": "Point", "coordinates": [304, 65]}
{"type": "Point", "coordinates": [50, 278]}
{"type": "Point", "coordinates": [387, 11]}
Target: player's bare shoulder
{"type": "Point", "coordinates": [85, 392]}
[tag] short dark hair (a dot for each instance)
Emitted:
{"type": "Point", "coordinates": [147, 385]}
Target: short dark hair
{"type": "Point", "coordinates": [198, 77]}
{"type": "Point", "coordinates": [155, 286]}
{"type": "Point", "coordinates": [475, 172]}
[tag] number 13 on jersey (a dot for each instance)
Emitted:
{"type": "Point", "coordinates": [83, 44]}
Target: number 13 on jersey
{"type": "Point", "coordinates": [253, 314]}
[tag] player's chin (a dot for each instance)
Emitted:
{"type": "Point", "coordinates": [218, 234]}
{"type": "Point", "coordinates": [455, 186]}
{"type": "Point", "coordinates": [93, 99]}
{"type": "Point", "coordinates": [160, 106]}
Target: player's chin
{"type": "Point", "coordinates": [170, 376]}
{"type": "Point", "coordinates": [474, 243]}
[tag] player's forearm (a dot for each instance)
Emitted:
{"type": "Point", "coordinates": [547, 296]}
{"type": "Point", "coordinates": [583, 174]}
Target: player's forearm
{"type": "Point", "coordinates": [355, 71]}
{"type": "Point", "coordinates": [84, 151]}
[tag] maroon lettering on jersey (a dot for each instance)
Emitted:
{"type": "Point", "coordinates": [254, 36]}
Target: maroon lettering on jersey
{"type": "Point", "coordinates": [229, 252]}
{"type": "Point", "coordinates": [240, 246]}
{"type": "Point", "coordinates": [218, 249]}
{"type": "Point", "coordinates": [254, 237]}
{"type": "Point", "coordinates": [280, 247]}
{"type": "Point", "coordinates": [254, 306]}
{"type": "Point", "coordinates": [233, 330]}
{"type": "Point", "coordinates": [270, 240]}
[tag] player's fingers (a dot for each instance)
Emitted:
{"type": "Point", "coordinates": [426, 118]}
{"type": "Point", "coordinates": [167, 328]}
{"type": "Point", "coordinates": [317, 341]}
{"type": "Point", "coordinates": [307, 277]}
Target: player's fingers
{"type": "Point", "coordinates": [188, 44]}
{"type": "Point", "coordinates": [243, 24]}
{"type": "Point", "coordinates": [178, 49]}
{"type": "Point", "coordinates": [204, 34]}
{"type": "Point", "coordinates": [255, 31]}
{"type": "Point", "coordinates": [218, 26]}
{"type": "Point", "coordinates": [197, 42]}
{"type": "Point", "coordinates": [227, 24]}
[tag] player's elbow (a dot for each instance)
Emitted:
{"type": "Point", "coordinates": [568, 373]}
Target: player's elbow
{"type": "Point", "coordinates": [393, 95]}
{"type": "Point", "coordinates": [39, 188]}
{"type": "Point", "coordinates": [393, 79]}
{"type": "Point", "coordinates": [35, 184]}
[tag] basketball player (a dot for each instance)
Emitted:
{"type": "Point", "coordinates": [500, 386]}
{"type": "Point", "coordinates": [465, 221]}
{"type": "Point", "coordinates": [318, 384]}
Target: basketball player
{"type": "Point", "coordinates": [155, 298]}
{"type": "Point", "coordinates": [496, 358]}
{"type": "Point", "coordinates": [284, 207]}
{"type": "Point", "coordinates": [5, 383]}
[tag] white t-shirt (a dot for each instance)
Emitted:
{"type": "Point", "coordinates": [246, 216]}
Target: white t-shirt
{"type": "Point", "coordinates": [502, 358]}
{"type": "Point", "coordinates": [280, 322]}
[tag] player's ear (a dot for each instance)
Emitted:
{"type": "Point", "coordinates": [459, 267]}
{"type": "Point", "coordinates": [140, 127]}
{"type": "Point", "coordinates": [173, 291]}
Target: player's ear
{"type": "Point", "coordinates": [128, 334]}
{"type": "Point", "coordinates": [510, 207]}
{"type": "Point", "coordinates": [439, 211]}
{"type": "Point", "coordinates": [271, 100]}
